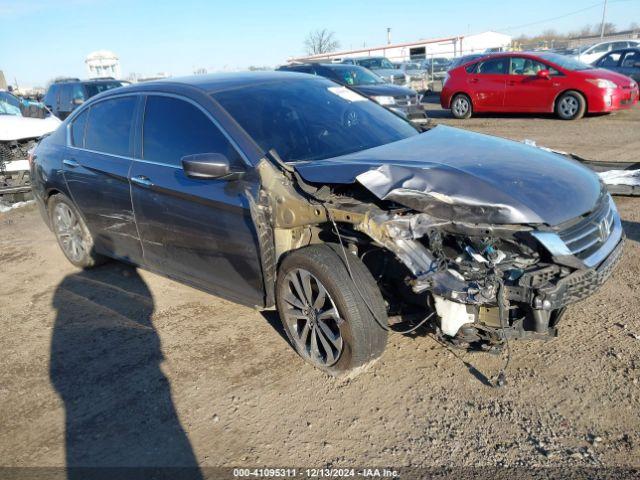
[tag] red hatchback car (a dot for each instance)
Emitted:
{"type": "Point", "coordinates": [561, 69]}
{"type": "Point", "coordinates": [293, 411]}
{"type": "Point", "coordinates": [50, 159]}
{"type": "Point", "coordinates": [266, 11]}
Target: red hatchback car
{"type": "Point", "coordinates": [541, 83]}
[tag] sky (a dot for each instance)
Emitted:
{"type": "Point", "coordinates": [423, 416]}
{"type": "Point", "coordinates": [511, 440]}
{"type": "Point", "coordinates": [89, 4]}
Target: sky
{"type": "Point", "coordinates": [42, 39]}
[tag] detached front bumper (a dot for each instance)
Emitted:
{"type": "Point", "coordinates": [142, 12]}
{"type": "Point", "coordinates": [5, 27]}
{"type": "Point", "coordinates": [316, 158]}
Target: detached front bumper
{"type": "Point", "coordinates": [582, 283]}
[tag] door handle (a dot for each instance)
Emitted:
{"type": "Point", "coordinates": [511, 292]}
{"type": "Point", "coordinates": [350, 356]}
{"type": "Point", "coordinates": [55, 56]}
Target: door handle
{"type": "Point", "coordinates": [511, 83]}
{"type": "Point", "coordinates": [474, 80]}
{"type": "Point", "coordinates": [70, 163]}
{"type": "Point", "coordinates": [142, 181]}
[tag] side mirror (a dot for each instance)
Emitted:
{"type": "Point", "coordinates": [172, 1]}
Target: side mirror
{"type": "Point", "coordinates": [543, 74]}
{"type": "Point", "coordinates": [206, 165]}
{"type": "Point", "coordinates": [77, 101]}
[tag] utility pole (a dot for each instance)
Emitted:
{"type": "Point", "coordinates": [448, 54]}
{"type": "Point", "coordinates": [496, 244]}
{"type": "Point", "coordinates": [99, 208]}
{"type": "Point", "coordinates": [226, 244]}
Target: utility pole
{"type": "Point", "coordinates": [388, 36]}
{"type": "Point", "coordinates": [604, 12]}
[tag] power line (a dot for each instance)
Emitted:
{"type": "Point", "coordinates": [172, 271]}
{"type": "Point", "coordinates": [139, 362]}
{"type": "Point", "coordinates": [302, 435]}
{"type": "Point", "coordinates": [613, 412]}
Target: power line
{"type": "Point", "coordinates": [599, 4]}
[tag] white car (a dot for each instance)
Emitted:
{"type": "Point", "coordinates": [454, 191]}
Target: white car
{"type": "Point", "coordinates": [18, 134]}
{"type": "Point", "coordinates": [590, 53]}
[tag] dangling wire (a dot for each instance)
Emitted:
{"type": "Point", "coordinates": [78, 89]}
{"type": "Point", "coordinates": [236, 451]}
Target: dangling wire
{"type": "Point", "coordinates": [381, 323]}
{"type": "Point", "coordinates": [498, 381]}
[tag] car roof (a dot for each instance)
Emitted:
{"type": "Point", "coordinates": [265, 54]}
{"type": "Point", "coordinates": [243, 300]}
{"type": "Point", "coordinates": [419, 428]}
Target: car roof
{"type": "Point", "coordinates": [211, 83]}
{"type": "Point", "coordinates": [621, 50]}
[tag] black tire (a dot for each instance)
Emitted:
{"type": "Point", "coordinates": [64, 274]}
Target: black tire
{"type": "Point", "coordinates": [69, 227]}
{"type": "Point", "coordinates": [461, 106]}
{"type": "Point", "coordinates": [362, 337]}
{"type": "Point", "coordinates": [571, 105]}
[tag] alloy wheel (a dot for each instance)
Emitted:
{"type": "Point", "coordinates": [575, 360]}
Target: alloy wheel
{"type": "Point", "coordinates": [460, 106]}
{"type": "Point", "coordinates": [312, 318]}
{"type": "Point", "coordinates": [569, 106]}
{"type": "Point", "coordinates": [70, 232]}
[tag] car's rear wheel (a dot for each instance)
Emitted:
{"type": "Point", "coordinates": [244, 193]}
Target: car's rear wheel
{"type": "Point", "coordinates": [570, 105]}
{"type": "Point", "coordinates": [461, 106]}
{"type": "Point", "coordinates": [324, 313]}
{"type": "Point", "coordinates": [72, 233]}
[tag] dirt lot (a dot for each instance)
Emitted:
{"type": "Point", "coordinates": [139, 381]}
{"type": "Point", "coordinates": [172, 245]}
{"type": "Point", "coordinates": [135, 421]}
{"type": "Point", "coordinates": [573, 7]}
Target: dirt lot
{"type": "Point", "coordinates": [118, 367]}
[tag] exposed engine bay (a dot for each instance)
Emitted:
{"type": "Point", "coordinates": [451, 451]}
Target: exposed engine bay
{"type": "Point", "coordinates": [488, 274]}
{"type": "Point", "coordinates": [14, 168]}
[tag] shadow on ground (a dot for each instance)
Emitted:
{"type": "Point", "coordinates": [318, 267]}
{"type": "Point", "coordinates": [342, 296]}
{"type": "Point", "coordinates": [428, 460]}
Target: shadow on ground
{"type": "Point", "coordinates": [105, 365]}
{"type": "Point", "coordinates": [632, 229]}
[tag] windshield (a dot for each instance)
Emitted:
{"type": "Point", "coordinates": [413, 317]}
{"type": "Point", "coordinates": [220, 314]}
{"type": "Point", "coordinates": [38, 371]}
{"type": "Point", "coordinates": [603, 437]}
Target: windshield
{"type": "Point", "coordinates": [311, 119]}
{"type": "Point", "coordinates": [565, 62]}
{"type": "Point", "coordinates": [354, 75]}
{"type": "Point", "coordinates": [99, 87]}
{"type": "Point", "coordinates": [9, 105]}
{"type": "Point", "coordinates": [376, 63]}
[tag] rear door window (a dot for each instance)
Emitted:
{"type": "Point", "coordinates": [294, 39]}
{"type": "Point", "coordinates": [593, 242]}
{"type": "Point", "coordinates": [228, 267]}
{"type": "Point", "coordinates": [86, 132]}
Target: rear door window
{"type": "Point", "coordinates": [109, 126]}
{"type": "Point", "coordinates": [495, 66]}
{"type": "Point", "coordinates": [50, 99]}
{"type": "Point", "coordinates": [174, 128]}
{"type": "Point", "coordinates": [94, 88]}
{"type": "Point", "coordinates": [77, 129]}
{"type": "Point", "coordinates": [77, 93]}
{"type": "Point", "coordinates": [605, 47]}
{"type": "Point", "coordinates": [631, 59]}
{"type": "Point", "coordinates": [65, 96]}
{"type": "Point", "coordinates": [610, 60]}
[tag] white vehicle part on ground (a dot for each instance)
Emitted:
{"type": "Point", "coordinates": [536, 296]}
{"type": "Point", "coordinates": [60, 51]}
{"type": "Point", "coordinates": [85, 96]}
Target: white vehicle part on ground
{"type": "Point", "coordinates": [621, 177]}
{"type": "Point", "coordinates": [453, 315]}
{"type": "Point", "coordinates": [630, 178]}
{"type": "Point", "coordinates": [13, 127]}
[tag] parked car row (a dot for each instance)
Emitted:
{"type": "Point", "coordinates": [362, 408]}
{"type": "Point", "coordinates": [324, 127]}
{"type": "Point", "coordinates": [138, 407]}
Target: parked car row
{"type": "Point", "coordinates": [400, 99]}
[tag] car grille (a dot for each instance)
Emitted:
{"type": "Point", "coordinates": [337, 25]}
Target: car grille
{"type": "Point", "coordinates": [582, 283]}
{"type": "Point", "coordinates": [406, 100]}
{"type": "Point", "coordinates": [591, 232]}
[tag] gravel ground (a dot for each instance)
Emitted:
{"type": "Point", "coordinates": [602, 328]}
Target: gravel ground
{"type": "Point", "coordinates": [123, 367]}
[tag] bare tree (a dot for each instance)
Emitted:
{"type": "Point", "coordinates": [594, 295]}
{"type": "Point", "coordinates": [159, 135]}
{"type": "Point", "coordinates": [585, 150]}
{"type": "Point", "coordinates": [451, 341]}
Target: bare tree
{"type": "Point", "coordinates": [588, 30]}
{"type": "Point", "coordinates": [321, 41]}
{"type": "Point", "coordinates": [609, 28]}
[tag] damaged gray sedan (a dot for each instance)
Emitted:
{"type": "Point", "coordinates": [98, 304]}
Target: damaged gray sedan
{"type": "Point", "coordinates": [281, 189]}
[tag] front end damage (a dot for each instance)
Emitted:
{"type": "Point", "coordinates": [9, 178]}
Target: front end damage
{"type": "Point", "coordinates": [488, 279]}
{"type": "Point", "coordinates": [15, 183]}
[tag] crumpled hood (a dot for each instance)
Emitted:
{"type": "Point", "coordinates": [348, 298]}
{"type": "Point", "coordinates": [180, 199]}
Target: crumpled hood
{"type": "Point", "coordinates": [460, 175]}
{"type": "Point", "coordinates": [15, 127]}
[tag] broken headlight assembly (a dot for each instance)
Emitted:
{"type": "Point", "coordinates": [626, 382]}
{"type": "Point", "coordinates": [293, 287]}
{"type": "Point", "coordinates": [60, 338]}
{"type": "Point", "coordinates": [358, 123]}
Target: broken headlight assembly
{"type": "Point", "coordinates": [491, 283]}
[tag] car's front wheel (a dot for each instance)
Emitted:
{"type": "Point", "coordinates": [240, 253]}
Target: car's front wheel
{"type": "Point", "coordinates": [461, 106]}
{"type": "Point", "coordinates": [324, 313]}
{"type": "Point", "coordinates": [570, 106]}
{"type": "Point", "coordinates": [72, 233]}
